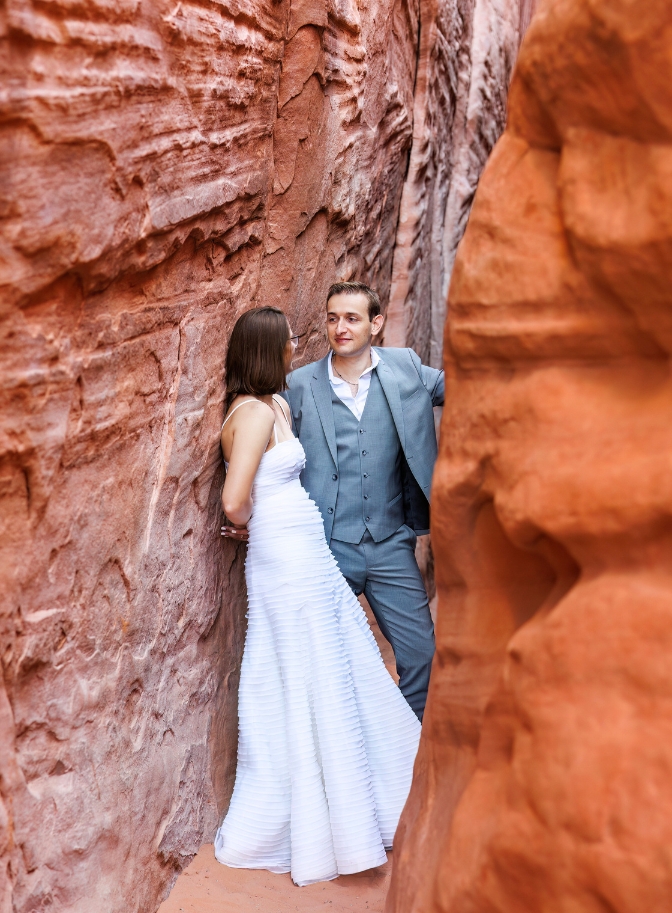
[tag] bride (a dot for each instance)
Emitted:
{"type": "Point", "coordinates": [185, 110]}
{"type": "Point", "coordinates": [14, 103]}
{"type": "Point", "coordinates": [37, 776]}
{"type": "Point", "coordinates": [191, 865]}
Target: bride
{"type": "Point", "coordinates": [326, 740]}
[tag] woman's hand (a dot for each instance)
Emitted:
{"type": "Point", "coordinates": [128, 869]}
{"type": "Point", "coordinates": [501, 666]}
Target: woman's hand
{"type": "Point", "coordinates": [238, 533]}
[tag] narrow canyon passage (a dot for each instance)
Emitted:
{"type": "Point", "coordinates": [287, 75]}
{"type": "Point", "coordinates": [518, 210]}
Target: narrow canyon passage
{"type": "Point", "coordinates": [208, 887]}
{"type": "Point", "coordinates": [164, 167]}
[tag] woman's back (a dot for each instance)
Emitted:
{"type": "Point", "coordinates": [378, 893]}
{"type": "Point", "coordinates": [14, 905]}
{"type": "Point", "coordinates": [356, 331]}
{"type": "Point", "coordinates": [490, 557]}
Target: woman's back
{"type": "Point", "coordinates": [281, 418]}
{"type": "Point", "coordinates": [251, 432]}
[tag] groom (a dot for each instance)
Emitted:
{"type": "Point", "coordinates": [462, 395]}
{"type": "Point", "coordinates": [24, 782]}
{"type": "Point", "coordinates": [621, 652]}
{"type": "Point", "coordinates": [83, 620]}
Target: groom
{"type": "Point", "coordinates": [364, 417]}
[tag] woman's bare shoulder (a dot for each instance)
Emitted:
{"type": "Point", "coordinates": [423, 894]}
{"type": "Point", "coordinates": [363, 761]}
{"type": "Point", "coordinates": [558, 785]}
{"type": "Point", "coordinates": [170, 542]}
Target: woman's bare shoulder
{"type": "Point", "coordinates": [255, 413]}
{"type": "Point", "coordinates": [254, 410]}
{"type": "Point", "coordinates": [251, 426]}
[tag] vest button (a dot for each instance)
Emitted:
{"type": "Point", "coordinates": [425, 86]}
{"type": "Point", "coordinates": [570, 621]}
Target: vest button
{"type": "Point", "coordinates": [364, 452]}
{"type": "Point", "coordinates": [367, 519]}
{"type": "Point", "coordinates": [361, 431]}
{"type": "Point", "coordinates": [366, 475]}
{"type": "Point", "coordinates": [330, 510]}
{"type": "Point", "coordinates": [366, 497]}
{"type": "Point", "coordinates": [334, 477]}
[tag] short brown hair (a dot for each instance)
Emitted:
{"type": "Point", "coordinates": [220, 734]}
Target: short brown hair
{"type": "Point", "coordinates": [357, 288]}
{"type": "Point", "coordinates": [255, 359]}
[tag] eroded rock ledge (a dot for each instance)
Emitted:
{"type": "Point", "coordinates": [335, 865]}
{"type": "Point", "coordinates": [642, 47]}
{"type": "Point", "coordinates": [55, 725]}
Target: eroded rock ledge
{"type": "Point", "coordinates": [164, 166]}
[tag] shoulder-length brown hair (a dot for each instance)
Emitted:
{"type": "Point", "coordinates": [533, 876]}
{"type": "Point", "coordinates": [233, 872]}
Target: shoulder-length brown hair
{"type": "Point", "coordinates": [255, 359]}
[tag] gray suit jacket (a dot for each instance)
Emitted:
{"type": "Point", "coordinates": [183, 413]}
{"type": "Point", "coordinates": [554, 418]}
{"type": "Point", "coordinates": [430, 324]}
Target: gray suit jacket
{"type": "Point", "coordinates": [411, 389]}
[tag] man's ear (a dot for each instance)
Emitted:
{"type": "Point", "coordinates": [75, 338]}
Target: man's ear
{"type": "Point", "coordinates": [377, 324]}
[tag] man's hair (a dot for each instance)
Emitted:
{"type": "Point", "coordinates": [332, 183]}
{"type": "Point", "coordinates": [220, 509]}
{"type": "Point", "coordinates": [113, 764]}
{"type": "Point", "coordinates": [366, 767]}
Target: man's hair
{"type": "Point", "coordinates": [357, 288]}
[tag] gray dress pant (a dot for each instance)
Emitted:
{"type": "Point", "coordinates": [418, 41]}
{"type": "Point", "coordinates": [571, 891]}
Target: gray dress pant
{"type": "Point", "coordinates": [388, 575]}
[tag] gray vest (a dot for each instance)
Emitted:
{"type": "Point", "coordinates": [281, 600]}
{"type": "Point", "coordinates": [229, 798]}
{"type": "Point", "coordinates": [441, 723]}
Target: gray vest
{"type": "Point", "coordinates": [370, 484]}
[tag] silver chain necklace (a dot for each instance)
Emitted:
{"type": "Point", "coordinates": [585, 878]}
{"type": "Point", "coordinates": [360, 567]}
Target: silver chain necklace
{"type": "Point", "coordinates": [350, 382]}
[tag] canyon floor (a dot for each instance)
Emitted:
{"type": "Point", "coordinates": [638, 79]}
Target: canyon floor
{"type": "Point", "coordinates": [205, 886]}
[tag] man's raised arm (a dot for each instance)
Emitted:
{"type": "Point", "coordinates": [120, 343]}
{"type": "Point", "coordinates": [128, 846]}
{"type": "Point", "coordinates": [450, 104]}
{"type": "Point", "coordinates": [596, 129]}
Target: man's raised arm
{"type": "Point", "coordinates": [432, 378]}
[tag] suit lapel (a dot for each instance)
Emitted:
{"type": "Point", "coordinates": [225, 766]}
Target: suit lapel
{"type": "Point", "coordinates": [391, 390]}
{"type": "Point", "coordinates": [322, 395]}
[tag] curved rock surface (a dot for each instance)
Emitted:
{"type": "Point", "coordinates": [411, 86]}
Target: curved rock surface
{"type": "Point", "coordinates": [164, 166]}
{"type": "Point", "coordinates": [543, 780]}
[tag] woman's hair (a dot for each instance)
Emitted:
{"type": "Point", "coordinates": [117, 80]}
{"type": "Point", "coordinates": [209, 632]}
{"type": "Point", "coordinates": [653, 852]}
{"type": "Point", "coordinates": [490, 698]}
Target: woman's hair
{"type": "Point", "coordinates": [255, 359]}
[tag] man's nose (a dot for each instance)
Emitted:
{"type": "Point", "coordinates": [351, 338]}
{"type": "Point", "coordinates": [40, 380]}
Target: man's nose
{"type": "Point", "coordinates": [342, 325]}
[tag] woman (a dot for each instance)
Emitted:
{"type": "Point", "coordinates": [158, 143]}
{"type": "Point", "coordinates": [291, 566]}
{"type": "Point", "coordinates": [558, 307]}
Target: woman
{"type": "Point", "coordinates": [326, 740]}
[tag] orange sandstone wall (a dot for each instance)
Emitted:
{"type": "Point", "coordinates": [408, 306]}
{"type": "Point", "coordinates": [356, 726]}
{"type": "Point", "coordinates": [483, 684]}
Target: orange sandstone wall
{"type": "Point", "coordinates": [163, 166]}
{"type": "Point", "coordinates": [544, 777]}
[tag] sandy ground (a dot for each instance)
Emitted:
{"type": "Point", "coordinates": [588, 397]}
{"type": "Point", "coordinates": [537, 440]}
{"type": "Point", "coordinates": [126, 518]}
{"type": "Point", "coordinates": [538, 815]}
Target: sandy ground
{"type": "Point", "coordinates": [205, 886]}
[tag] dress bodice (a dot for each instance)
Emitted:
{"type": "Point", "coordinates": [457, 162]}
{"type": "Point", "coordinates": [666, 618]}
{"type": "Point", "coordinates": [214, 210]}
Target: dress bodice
{"type": "Point", "coordinates": [279, 466]}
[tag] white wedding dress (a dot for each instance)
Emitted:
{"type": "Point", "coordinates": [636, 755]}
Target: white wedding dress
{"type": "Point", "coordinates": [326, 740]}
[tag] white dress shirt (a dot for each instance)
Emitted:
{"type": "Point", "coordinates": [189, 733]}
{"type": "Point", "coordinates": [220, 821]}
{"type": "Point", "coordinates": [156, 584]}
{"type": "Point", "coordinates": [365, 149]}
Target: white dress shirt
{"type": "Point", "coordinates": [343, 390]}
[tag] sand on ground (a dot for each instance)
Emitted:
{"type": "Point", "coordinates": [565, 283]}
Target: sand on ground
{"type": "Point", "coordinates": [205, 886]}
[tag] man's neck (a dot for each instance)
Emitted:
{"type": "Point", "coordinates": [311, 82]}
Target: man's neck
{"type": "Point", "coordinates": [352, 366]}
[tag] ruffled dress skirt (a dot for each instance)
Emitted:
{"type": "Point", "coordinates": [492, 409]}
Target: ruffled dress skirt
{"type": "Point", "coordinates": [326, 740]}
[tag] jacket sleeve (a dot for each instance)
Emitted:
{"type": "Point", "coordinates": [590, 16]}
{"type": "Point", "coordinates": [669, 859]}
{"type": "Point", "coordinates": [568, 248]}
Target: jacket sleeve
{"type": "Point", "coordinates": [432, 379]}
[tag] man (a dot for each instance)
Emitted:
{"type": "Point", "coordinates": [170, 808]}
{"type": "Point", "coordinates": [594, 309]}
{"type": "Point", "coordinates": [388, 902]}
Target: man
{"type": "Point", "coordinates": [364, 417]}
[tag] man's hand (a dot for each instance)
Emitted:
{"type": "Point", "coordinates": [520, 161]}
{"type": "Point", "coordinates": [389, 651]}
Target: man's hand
{"type": "Point", "coordinates": [239, 533]}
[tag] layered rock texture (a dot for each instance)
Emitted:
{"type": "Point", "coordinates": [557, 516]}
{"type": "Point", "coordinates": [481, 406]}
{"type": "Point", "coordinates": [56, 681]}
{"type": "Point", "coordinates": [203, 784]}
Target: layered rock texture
{"type": "Point", "coordinates": [466, 53]}
{"type": "Point", "coordinates": [543, 782]}
{"type": "Point", "coordinates": [164, 166]}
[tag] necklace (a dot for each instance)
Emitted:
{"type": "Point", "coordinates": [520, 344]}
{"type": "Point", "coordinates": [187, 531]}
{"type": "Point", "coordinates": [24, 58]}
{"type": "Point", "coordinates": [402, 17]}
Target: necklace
{"type": "Point", "coordinates": [350, 382]}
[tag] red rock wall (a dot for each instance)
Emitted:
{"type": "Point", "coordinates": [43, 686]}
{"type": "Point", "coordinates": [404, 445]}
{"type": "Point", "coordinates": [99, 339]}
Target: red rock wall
{"type": "Point", "coordinates": [163, 167]}
{"type": "Point", "coordinates": [466, 54]}
{"type": "Point", "coordinates": [543, 781]}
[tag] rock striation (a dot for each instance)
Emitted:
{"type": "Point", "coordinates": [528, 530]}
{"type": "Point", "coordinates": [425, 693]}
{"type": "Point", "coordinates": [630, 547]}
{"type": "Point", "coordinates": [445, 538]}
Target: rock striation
{"type": "Point", "coordinates": [163, 166]}
{"type": "Point", "coordinates": [466, 53]}
{"type": "Point", "coordinates": [543, 780]}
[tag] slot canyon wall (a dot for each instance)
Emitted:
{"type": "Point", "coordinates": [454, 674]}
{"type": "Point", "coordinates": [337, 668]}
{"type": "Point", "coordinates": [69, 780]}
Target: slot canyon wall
{"type": "Point", "coordinates": [466, 54]}
{"type": "Point", "coordinates": [164, 166]}
{"type": "Point", "coordinates": [543, 781]}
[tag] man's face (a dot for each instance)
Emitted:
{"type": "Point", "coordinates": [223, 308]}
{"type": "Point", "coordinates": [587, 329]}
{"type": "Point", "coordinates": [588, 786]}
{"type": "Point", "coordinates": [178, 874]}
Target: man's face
{"type": "Point", "coordinates": [348, 326]}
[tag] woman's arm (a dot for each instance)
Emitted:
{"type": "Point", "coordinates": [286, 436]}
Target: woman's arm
{"type": "Point", "coordinates": [250, 434]}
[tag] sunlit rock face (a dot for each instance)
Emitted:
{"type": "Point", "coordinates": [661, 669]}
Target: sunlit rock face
{"type": "Point", "coordinates": [466, 53]}
{"type": "Point", "coordinates": [164, 167]}
{"type": "Point", "coordinates": [544, 777]}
